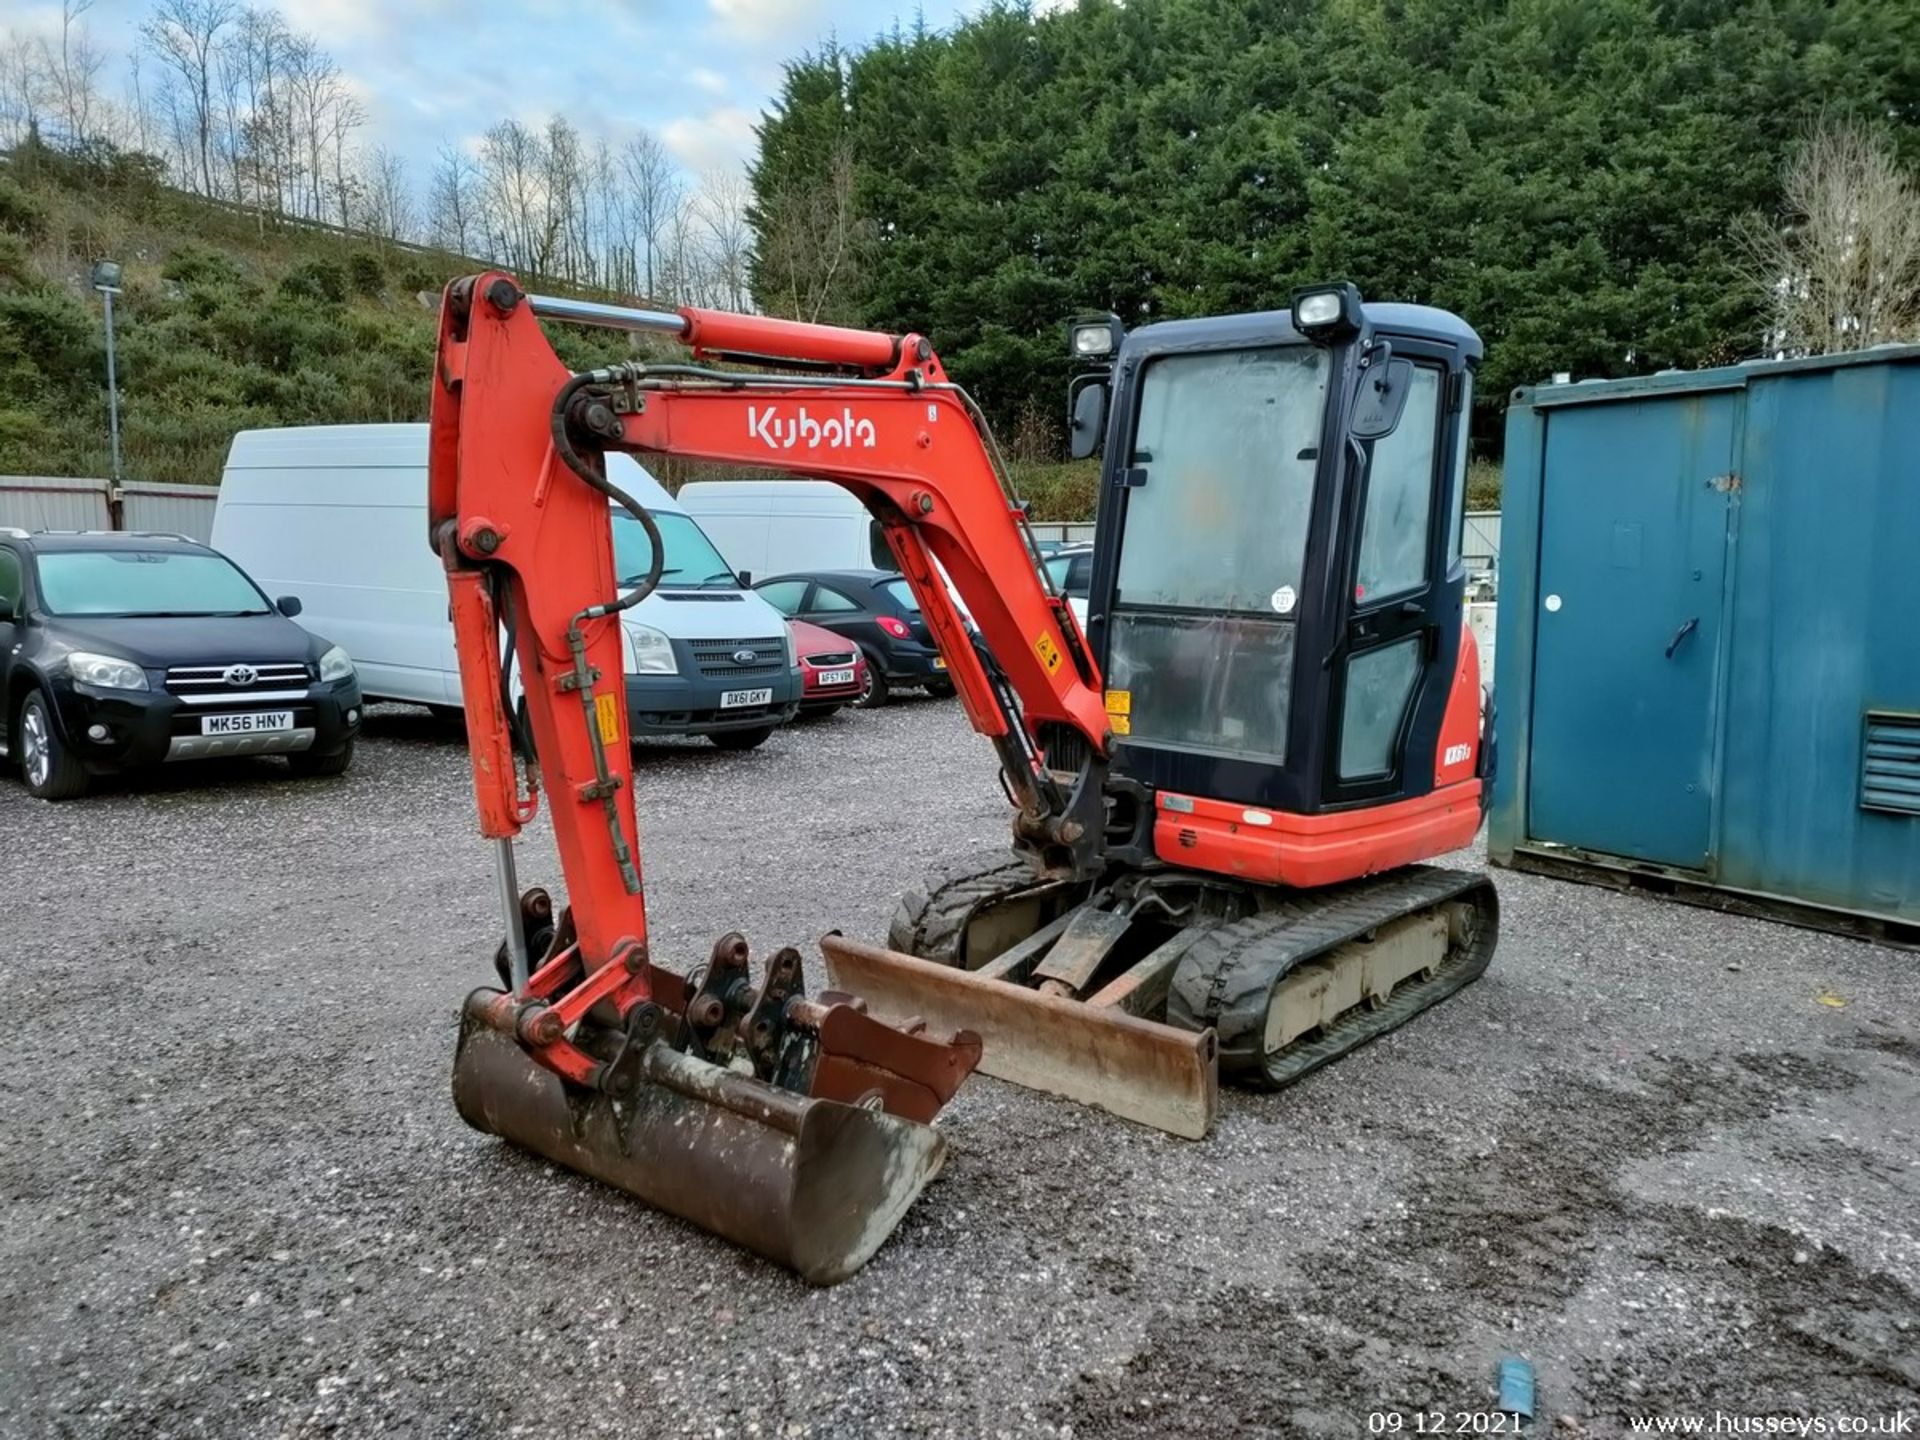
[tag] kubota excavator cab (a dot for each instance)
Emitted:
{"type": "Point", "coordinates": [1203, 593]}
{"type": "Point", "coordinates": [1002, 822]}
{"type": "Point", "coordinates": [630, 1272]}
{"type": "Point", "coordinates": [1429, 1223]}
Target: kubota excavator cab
{"type": "Point", "coordinates": [1277, 586]}
{"type": "Point", "coordinates": [1296, 720]}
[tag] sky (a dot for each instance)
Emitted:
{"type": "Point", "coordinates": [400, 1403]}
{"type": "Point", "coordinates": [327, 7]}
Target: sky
{"type": "Point", "coordinates": [697, 73]}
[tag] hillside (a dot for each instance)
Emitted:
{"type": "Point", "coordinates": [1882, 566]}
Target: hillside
{"type": "Point", "coordinates": [228, 321]}
{"type": "Point", "coordinates": [225, 321]}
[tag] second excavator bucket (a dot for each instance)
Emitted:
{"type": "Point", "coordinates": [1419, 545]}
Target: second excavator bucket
{"type": "Point", "coordinates": [1097, 1054]}
{"type": "Point", "coordinates": [815, 1185]}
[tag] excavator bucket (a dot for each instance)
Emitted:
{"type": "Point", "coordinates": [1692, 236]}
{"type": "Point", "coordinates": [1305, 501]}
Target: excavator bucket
{"type": "Point", "coordinates": [816, 1185]}
{"type": "Point", "coordinates": [1096, 1053]}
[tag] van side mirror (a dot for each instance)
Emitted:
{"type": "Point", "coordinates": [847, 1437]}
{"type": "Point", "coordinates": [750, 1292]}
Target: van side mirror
{"type": "Point", "coordinates": [746, 579]}
{"type": "Point", "coordinates": [1382, 400]}
{"type": "Point", "coordinates": [1087, 422]}
{"type": "Point", "coordinates": [288, 605]}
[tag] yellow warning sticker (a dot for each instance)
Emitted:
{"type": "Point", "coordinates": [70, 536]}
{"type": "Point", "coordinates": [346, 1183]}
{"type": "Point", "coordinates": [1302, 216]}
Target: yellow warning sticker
{"type": "Point", "coordinates": [1048, 652]}
{"type": "Point", "coordinates": [608, 711]}
{"type": "Point", "coordinates": [1120, 724]}
{"type": "Point", "coordinates": [1119, 702]}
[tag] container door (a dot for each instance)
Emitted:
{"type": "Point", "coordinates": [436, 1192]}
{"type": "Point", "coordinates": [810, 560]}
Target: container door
{"type": "Point", "coordinates": [1633, 549]}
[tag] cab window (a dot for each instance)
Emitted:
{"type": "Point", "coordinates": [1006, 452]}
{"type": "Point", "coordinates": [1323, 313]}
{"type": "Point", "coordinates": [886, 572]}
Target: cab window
{"type": "Point", "coordinates": [1395, 527]}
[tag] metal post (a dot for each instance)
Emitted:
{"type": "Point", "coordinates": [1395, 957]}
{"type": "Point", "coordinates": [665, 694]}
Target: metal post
{"type": "Point", "coordinates": [106, 279]}
{"type": "Point", "coordinates": [517, 966]}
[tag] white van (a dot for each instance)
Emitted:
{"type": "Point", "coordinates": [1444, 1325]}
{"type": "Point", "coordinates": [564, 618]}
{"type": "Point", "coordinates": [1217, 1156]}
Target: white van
{"type": "Point", "coordinates": [337, 514]}
{"type": "Point", "coordinates": [776, 527]}
{"type": "Point", "coordinates": [785, 527]}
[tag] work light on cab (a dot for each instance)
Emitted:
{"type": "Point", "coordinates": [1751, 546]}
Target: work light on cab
{"type": "Point", "coordinates": [1096, 337]}
{"type": "Point", "coordinates": [1324, 311]}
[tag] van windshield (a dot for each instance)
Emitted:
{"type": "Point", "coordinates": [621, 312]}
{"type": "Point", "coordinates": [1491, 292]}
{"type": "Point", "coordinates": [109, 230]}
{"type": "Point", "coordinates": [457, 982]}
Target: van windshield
{"type": "Point", "coordinates": [146, 582]}
{"type": "Point", "coordinates": [691, 560]}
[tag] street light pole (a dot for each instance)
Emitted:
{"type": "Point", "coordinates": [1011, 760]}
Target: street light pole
{"type": "Point", "coordinates": [106, 279]}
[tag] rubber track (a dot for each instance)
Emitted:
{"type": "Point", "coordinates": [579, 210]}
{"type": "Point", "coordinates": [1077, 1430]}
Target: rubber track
{"type": "Point", "coordinates": [1226, 978]}
{"type": "Point", "coordinates": [932, 917]}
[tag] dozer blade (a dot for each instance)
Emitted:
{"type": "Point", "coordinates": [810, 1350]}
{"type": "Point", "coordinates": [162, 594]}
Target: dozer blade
{"type": "Point", "coordinates": [814, 1185]}
{"type": "Point", "coordinates": [1095, 1054]}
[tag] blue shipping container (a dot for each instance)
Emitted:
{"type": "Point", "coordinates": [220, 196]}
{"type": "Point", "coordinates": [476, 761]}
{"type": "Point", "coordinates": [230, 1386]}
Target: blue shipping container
{"type": "Point", "coordinates": [1708, 657]}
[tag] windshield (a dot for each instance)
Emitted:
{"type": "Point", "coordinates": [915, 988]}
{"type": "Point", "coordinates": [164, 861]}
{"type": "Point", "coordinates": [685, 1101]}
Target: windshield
{"type": "Point", "coordinates": [902, 592]}
{"type": "Point", "coordinates": [691, 559]}
{"type": "Point", "coordinates": [146, 582]}
{"type": "Point", "coordinates": [1229, 443]}
{"type": "Point", "coordinates": [1201, 634]}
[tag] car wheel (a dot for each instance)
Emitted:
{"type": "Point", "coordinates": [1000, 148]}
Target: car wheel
{"type": "Point", "coordinates": [873, 686]}
{"type": "Point", "coordinates": [742, 739]}
{"type": "Point", "coordinates": [50, 772]}
{"type": "Point", "coordinates": [305, 763]}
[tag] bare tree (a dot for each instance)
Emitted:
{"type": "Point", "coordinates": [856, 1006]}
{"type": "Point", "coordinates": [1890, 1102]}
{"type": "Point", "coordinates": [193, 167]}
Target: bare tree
{"type": "Point", "coordinates": [186, 35]}
{"type": "Point", "coordinates": [814, 245]}
{"type": "Point", "coordinates": [1842, 270]}
{"type": "Point", "coordinates": [519, 208]}
{"type": "Point", "coordinates": [562, 198]}
{"type": "Point", "coordinates": [452, 200]}
{"type": "Point", "coordinates": [385, 198]}
{"type": "Point", "coordinates": [652, 199]}
{"type": "Point", "coordinates": [71, 66]}
{"type": "Point", "coordinates": [140, 129]}
{"type": "Point", "coordinates": [22, 85]}
{"type": "Point", "coordinates": [720, 211]}
{"type": "Point", "coordinates": [343, 117]}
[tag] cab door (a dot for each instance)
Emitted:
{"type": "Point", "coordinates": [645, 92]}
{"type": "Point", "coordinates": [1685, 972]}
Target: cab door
{"type": "Point", "coordinates": [1390, 669]}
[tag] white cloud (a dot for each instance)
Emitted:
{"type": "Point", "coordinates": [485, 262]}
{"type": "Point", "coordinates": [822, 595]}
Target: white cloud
{"type": "Point", "coordinates": [340, 21]}
{"type": "Point", "coordinates": [760, 19]}
{"type": "Point", "coordinates": [718, 140]}
{"type": "Point", "coordinates": [711, 81]}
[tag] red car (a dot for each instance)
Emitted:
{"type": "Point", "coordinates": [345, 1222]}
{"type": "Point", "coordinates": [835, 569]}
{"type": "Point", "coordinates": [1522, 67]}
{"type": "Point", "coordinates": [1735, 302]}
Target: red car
{"type": "Point", "coordinates": [832, 669]}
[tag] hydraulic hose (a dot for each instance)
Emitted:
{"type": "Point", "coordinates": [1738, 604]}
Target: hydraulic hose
{"type": "Point", "coordinates": [596, 477]}
{"type": "Point", "coordinates": [583, 677]}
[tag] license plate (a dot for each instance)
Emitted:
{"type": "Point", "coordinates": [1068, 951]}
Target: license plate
{"type": "Point", "coordinates": [734, 699]}
{"type": "Point", "coordinates": [939, 662]}
{"type": "Point", "coordinates": [836, 677]}
{"type": "Point", "coordinates": [250, 724]}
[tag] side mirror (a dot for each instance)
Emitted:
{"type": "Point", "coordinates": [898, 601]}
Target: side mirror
{"type": "Point", "coordinates": [288, 605]}
{"type": "Point", "coordinates": [746, 579]}
{"type": "Point", "coordinates": [1088, 415]}
{"type": "Point", "coordinates": [1382, 399]}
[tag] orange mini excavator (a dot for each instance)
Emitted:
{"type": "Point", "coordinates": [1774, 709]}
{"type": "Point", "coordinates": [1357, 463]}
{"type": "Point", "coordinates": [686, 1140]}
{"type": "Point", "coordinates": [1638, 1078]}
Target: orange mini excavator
{"type": "Point", "coordinates": [1214, 865]}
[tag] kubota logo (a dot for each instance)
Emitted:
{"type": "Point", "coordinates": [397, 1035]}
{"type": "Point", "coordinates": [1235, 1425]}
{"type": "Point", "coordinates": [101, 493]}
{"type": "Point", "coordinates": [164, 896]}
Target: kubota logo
{"type": "Point", "coordinates": [783, 432]}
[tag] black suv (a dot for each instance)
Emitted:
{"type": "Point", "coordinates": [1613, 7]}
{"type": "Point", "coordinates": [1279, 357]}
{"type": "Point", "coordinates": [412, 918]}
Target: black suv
{"type": "Point", "coordinates": [120, 650]}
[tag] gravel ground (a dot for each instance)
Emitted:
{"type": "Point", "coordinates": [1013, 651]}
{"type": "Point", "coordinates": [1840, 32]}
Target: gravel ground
{"type": "Point", "coordinates": [1668, 1155]}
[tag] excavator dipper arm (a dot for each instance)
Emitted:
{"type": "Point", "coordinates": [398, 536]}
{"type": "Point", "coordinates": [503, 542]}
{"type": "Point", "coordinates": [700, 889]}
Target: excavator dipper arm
{"type": "Point", "coordinates": [789, 1123]}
